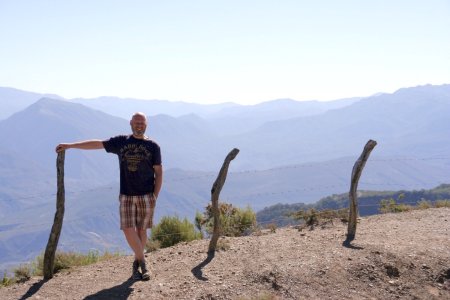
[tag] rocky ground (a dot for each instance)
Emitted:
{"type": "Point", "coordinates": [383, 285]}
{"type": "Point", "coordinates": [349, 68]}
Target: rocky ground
{"type": "Point", "coordinates": [404, 256]}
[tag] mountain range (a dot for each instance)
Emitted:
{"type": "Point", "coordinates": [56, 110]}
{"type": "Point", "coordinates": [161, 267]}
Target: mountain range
{"type": "Point", "coordinates": [290, 152]}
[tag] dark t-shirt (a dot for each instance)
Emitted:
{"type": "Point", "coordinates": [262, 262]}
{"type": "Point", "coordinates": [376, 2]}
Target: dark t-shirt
{"type": "Point", "coordinates": [136, 158]}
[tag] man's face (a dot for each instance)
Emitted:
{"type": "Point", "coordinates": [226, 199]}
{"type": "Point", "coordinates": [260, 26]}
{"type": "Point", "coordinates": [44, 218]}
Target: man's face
{"type": "Point", "coordinates": [138, 125]}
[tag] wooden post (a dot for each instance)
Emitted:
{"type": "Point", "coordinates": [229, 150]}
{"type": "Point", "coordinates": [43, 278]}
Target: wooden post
{"type": "Point", "coordinates": [52, 244]}
{"type": "Point", "coordinates": [215, 191]}
{"type": "Point", "coordinates": [356, 174]}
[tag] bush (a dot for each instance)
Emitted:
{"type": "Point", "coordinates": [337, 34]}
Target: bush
{"type": "Point", "coordinates": [442, 203]}
{"type": "Point", "coordinates": [172, 230]}
{"type": "Point", "coordinates": [6, 281]}
{"type": "Point", "coordinates": [313, 217]}
{"type": "Point", "coordinates": [424, 204]}
{"type": "Point", "coordinates": [272, 227]}
{"type": "Point", "coordinates": [391, 206]}
{"type": "Point", "coordinates": [223, 245]}
{"type": "Point", "coordinates": [66, 260]}
{"type": "Point", "coordinates": [152, 245]}
{"type": "Point", "coordinates": [22, 274]}
{"type": "Point", "coordinates": [63, 260]}
{"type": "Point", "coordinates": [234, 221]}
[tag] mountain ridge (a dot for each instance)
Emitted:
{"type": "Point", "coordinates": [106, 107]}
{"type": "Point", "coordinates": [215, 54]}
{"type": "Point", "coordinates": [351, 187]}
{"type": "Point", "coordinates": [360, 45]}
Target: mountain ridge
{"type": "Point", "coordinates": [295, 160]}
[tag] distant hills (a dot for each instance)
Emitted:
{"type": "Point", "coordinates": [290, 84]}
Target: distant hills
{"type": "Point", "coordinates": [291, 152]}
{"type": "Point", "coordinates": [368, 203]}
{"type": "Point", "coordinates": [14, 100]}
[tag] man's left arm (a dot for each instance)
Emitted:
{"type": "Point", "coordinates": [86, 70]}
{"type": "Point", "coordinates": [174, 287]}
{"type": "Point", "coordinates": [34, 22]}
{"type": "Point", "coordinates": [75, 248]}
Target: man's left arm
{"type": "Point", "coordinates": [158, 179]}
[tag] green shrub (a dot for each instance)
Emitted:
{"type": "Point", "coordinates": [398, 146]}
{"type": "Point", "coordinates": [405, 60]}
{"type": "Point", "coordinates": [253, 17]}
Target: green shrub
{"type": "Point", "coordinates": [6, 281]}
{"type": "Point", "coordinates": [63, 260]}
{"type": "Point", "coordinates": [424, 204]}
{"type": "Point", "coordinates": [234, 221]}
{"type": "Point", "coordinates": [310, 217]}
{"type": "Point", "coordinates": [152, 245]}
{"type": "Point", "coordinates": [313, 217]}
{"type": "Point", "coordinates": [172, 230]}
{"type": "Point", "coordinates": [387, 205]}
{"type": "Point", "coordinates": [199, 222]}
{"type": "Point", "coordinates": [22, 274]}
{"type": "Point", "coordinates": [403, 207]}
{"type": "Point", "coordinates": [66, 260]}
{"type": "Point", "coordinates": [272, 227]}
{"type": "Point", "coordinates": [391, 206]}
{"type": "Point", "coordinates": [223, 245]}
{"type": "Point", "coordinates": [442, 203]}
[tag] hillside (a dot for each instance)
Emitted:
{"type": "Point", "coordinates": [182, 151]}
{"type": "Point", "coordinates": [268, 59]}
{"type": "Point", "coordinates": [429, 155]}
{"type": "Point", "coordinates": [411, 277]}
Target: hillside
{"type": "Point", "coordinates": [393, 256]}
{"type": "Point", "coordinates": [368, 203]}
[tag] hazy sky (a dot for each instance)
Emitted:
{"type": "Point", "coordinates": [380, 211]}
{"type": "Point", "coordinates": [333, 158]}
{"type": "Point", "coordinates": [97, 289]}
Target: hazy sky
{"type": "Point", "coordinates": [207, 51]}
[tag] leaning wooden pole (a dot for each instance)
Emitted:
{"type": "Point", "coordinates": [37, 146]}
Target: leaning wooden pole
{"type": "Point", "coordinates": [52, 244]}
{"type": "Point", "coordinates": [356, 174]}
{"type": "Point", "coordinates": [215, 191]}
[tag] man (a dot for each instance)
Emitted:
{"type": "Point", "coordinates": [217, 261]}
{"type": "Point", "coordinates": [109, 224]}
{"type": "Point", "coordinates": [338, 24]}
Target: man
{"type": "Point", "coordinates": [141, 176]}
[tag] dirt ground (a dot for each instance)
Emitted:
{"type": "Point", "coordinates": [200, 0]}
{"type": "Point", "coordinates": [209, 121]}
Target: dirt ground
{"type": "Point", "coordinates": [405, 256]}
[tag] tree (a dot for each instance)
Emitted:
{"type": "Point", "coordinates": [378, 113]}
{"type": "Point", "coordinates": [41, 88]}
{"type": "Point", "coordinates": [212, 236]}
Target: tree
{"type": "Point", "coordinates": [234, 221]}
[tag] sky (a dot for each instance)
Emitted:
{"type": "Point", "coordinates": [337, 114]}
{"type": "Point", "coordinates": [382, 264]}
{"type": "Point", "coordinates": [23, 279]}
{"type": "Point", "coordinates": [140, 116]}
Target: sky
{"type": "Point", "coordinates": [214, 51]}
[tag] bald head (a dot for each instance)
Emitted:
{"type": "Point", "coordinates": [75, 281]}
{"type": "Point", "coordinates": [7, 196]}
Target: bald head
{"type": "Point", "coordinates": [138, 125]}
{"type": "Point", "coordinates": [139, 115]}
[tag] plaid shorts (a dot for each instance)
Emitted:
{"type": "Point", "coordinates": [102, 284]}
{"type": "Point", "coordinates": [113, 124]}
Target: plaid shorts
{"type": "Point", "coordinates": [136, 211]}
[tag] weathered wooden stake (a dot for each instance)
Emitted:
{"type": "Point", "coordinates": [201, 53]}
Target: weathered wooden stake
{"type": "Point", "coordinates": [356, 174]}
{"type": "Point", "coordinates": [215, 191]}
{"type": "Point", "coordinates": [52, 244]}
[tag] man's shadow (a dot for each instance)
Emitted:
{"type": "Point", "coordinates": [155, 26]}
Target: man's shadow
{"type": "Point", "coordinates": [197, 270]}
{"type": "Point", "coordinates": [121, 291]}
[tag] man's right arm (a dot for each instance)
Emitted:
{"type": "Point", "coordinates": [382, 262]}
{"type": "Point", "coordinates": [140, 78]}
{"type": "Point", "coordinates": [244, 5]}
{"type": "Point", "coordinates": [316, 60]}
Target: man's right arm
{"type": "Point", "coordinates": [85, 145]}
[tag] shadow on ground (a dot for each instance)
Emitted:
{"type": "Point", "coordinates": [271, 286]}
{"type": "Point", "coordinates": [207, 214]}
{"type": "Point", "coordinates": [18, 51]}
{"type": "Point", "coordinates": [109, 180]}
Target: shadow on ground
{"type": "Point", "coordinates": [348, 244]}
{"type": "Point", "coordinates": [197, 270]}
{"type": "Point", "coordinates": [33, 289]}
{"type": "Point", "coordinates": [121, 291]}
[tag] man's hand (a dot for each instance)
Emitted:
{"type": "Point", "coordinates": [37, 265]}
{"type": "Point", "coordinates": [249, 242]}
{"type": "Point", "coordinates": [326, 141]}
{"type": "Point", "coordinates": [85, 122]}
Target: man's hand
{"type": "Point", "coordinates": [62, 147]}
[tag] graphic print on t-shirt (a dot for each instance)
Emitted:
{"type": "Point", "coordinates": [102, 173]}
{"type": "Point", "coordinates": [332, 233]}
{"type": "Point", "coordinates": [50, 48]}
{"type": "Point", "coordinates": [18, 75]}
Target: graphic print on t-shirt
{"type": "Point", "coordinates": [134, 154]}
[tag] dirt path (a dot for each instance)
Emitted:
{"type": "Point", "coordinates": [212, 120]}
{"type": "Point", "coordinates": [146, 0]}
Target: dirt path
{"type": "Point", "coordinates": [393, 256]}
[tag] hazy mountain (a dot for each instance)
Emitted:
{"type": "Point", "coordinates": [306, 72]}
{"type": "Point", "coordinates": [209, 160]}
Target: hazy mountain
{"type": "Point", "coordinates": [403, 123]}
{"type": "Point", "coordinates": [411, 122]}
{"type": "Point", "coordinates": [298, 159]}
{"type": "Point", "coordinates": [225, 118]}
{"type": "Point", "coordinates": [125, 107]}
{"type": "Point", "coordinates": [241, 118]}
{"type": "Point", "coordinates": [31, 137]}
{"type": "Point", "coordinates": [28, 157]}
{"type": "Point", "coordinates": [14, 100]}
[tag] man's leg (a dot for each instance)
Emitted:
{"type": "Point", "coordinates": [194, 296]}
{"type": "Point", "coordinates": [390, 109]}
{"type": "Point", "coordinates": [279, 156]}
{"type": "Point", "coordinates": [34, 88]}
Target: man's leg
{"type": "Point", "coordinates": [143, 237]}
{"type": "Point", "coordinates": [135, 242]}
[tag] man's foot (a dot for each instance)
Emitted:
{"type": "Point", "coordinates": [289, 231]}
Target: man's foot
{"type": "Point", "coordinates": [136, 275]}
{"type": "Point", "coordinates": [145, 274]}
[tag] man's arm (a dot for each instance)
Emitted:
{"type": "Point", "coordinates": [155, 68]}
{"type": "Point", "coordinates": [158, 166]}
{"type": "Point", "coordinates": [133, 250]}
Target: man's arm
{"type": "Point", "coordinates": [158, 179]}
{"type": "Point", "coordinates": [85, 145]}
